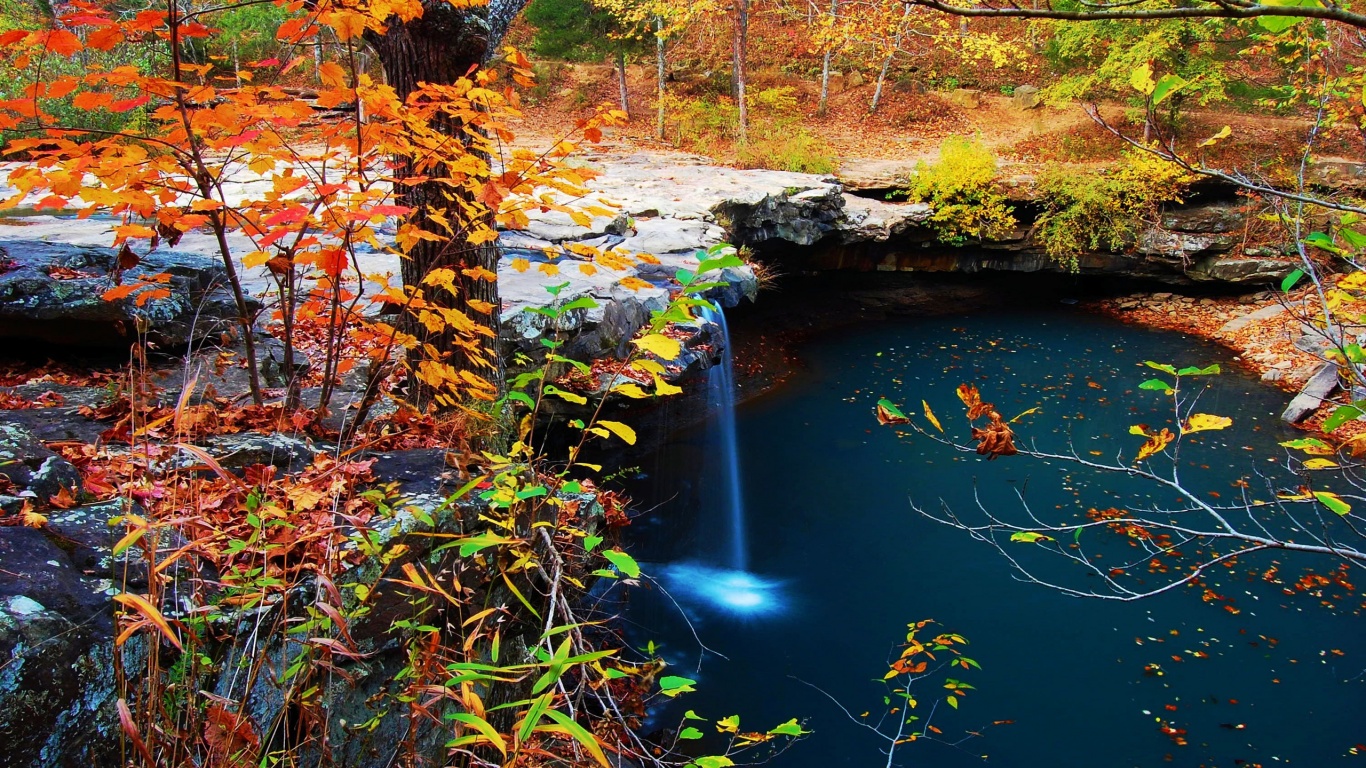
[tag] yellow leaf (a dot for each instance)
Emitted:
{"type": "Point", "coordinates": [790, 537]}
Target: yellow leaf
{"type": "Point", "coordinates": [631, 390]}
{"type": "Point", "coordinates": [1204, 422]}
{"type": "Point", "coordinates": [663, 388]}
{"type": "Point", "coordinates": [1223, 133]}
{"type": "Point", "coordinates": [521, 265]}
{"type": "Point", "coordinates": [1142, 79]}
{"type": "Point", "coordinates": [1156, 442]}
{"type": "Point", "coordinates": [659, 345]}
{"type": "Point", "coordinates": [1320, 464]}
{"type": "Point", "coordinates": [550, 270]}
{"type": "Point", "coordinates": [255, 259]}
{"type": "Point", "coordinates": [649, 366]}
{"type": "Point", "coordinates": [930, 415]}
{"type": "Point", "coordinates": [620, 430]}
{"type": "Point", "coordinates": [588, 269]}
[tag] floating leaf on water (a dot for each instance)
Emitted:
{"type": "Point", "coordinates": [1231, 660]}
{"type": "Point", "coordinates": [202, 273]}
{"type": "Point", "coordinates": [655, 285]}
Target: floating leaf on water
{"type": "Point", "coordinates": [1204, 422]}
{"type": "Point", "coordinates": [930, 415]}
{"type": "Point", "coordinates": [888, 413]}
{"type": "Point", "coordinates": [1029, 537]}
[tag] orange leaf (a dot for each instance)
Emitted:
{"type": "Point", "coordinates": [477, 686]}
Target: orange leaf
{"type": "Point", "coordinates": [104, 39]}
{"type": "Point", "coordinates": [62, 42]}
{"type": "Point", "coordinates": [91, 100]}
{"type": "Point", "coordinates": [149, 612]}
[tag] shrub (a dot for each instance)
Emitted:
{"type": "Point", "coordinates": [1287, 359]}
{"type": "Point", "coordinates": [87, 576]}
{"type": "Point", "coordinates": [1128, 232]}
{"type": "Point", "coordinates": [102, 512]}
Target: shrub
{"type": "Point", "coordinates": [961, 188]}
{"type": "Point", "coordinates": [1103, 209]}
{"type": "Point", "coordinates": [777, 139]}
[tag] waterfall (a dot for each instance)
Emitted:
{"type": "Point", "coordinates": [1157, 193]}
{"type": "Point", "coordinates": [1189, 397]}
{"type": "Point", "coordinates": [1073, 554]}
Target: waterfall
{"type": "Point", "coordinates": [721, 400]}
{"type": "Point", "coordinates": [731, 589]}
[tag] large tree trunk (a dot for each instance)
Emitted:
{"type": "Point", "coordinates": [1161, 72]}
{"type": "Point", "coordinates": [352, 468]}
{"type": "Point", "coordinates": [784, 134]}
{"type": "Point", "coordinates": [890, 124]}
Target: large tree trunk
{"type": "Point", "coordinates": [440, 47]}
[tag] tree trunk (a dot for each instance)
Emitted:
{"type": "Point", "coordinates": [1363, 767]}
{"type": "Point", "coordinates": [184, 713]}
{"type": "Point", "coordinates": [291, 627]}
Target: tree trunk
{"type": "Point", "coordinates": [741, 45]}
{"type": "Point", "coordinates": [659, 77]}
{"type": "Point", "coordinates": [825, 63]}
{"type": "Point", "coordinates": [887, 62]}
{"type": "Point", "coordinates": [621, 83]}
{"type": "Point", "coordinates": [440, 47]}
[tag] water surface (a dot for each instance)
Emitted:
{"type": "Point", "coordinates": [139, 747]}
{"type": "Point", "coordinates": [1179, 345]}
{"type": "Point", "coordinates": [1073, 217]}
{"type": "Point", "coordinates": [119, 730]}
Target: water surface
{"type": "Point", "coordinates": [848, 563]}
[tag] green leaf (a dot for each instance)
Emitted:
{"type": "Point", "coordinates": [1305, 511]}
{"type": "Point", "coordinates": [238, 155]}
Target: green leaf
{"type": "Point", "coordinates": [1196, 370]}
{"type": "Point", "coordinates": [469, 545]}
{"type": "Point", "coordinates": [1341, 415]}
{"type": "Point", "coordinates": [684, 277]}
{"type": "Point", "coordinates": [1277, 24]}
{"type": "Point", "coordinates": [580, 734]}
{"type": "Point", "coordinates": [1310, 445]}
{"type": "Point", "coordinates": [485, 730]}
{"type": "Point", "coordinates": [591, 543]}
{"type": "Point", "coordinates": [521, 397]}
{"type": "Point", "coordinates": [556, 668]}
{"type": "Point", "coordinates": [583, 302]}
{"type": "Point", "coordinates": [1353, 238]}
{"type": "Point", "coordinates": [624, 562]}
{"type": "Point", "coordinates": [690, 733]}
{"type": "Point", "coordinates": [1158, 385]}
{"type": "Point", "coordinates": [713, 761]}
{"type": "Point", "coordinates": [673, 685]}
{"type": "Point", "coordinates": [533, 715]}
{"type": "Point", "coordinates": [1333, 501]}
{"type": "Point", "coordinates": [1291, 279]}
{"type": "Point", "coordinates": [1029, 537]}
{"type": "Point", "coordinates": [1323, 242]}
{"type": "Point", "coordinates": [1161, 367]}
{"type": "Point", "coordinates": [723, 262]}
{"type": "Point", "coordinates": [790, 728]}
{"type": "Point", "coordinates": [1166, 86]}
{"type": "Point", "coordinates": [953, 701]}
{"type": "Point", "coordinates": [691, 715]}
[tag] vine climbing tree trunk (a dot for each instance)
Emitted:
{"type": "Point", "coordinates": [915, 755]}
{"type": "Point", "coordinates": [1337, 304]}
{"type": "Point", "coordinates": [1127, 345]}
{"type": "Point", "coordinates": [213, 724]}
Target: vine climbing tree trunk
{"type": "Point", "coordinates": [443, 45]}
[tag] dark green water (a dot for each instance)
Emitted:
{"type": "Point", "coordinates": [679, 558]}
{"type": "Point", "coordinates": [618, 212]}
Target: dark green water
{"type": "Point", "coordinates": [827, 510]}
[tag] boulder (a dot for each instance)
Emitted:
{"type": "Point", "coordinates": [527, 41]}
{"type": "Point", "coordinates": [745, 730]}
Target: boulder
{"type": "Point", "coordinates": [54, 293]}
{"type": "Point", "coordinates": [965, 98]}
{"type": "Point", "coordinates": [1240, 269]}
{"type": "Point", "coordinates": [30, 470]}
{"type": "Point", "coordinates": [854, 79]}
{"type": "Point", "coordinates": [1315, 391]}
{"type": "Point", "coordinates": [57, 688]}
{"type": "Point", "coordinates": [1026, 97]}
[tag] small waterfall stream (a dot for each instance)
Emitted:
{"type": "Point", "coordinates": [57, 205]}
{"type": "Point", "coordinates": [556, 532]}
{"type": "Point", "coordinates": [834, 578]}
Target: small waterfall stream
{"type": "Point", "coordinates": [721, 401]}
{"type": "Point", "coordinates": [730, 588]}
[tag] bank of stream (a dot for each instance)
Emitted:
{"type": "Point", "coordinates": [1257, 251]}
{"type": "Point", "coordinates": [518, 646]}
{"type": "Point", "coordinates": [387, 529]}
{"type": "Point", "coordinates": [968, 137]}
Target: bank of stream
{"type": "Point", "coordinates": [1268, 673]}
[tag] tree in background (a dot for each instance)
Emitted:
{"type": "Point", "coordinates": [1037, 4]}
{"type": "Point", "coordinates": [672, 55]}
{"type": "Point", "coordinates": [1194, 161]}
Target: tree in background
{"type": "Point", "coordinates": [578, 30]}
{"type": "Point", "coordinates": [665, 21]}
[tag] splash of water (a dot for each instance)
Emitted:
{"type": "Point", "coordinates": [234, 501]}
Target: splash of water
{"type": "Point", "coordinates": [738, 593]}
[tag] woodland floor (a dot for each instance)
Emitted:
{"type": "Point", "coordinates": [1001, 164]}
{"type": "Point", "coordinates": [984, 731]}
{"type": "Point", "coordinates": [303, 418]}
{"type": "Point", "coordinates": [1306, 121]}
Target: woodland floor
{"type": "Point", "coordinates": [909, 126]}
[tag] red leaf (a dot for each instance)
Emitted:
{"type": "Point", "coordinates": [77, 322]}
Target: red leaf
{"type": "Point", "coordinates": [124, 105]}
